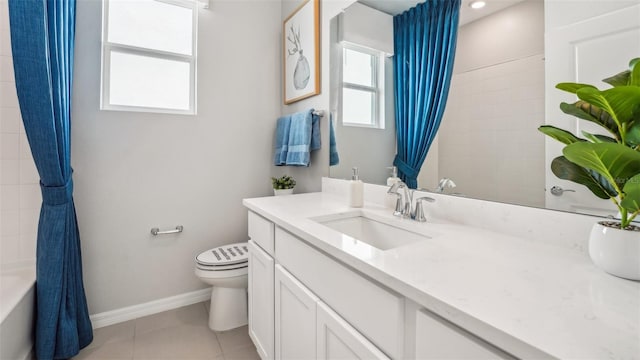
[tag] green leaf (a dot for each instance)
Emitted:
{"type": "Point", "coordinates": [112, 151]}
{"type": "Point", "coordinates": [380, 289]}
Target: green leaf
{"type": "Point", "coordinates": [620, 102]}
{"type": "Point", "coordinates": [566, 170]}
{"type": "Point", "coordinates": [573, 87]}
{"type": "Point", "coordinates": [619, 79]}
{"type": "Point", "coordinates": [633, 134]}
{"type": "Point", "coordinates": [615, 162]}
{"type": "Point", "coordinates": [634, 65]}
{"type": "Point", "coordinates": [597, 138]}
{"type": "Point", "coordinates": [563, 136]}
{"type": "Point", "coordinates": [631, 190]}
{"type": "Point", "coordinates": [586, 111]}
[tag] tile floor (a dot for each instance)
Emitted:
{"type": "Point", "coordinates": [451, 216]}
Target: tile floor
{"type": "Point", "coordinates": [178, 334]}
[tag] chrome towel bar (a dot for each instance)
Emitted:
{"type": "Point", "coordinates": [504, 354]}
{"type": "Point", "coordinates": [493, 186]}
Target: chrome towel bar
{"type": "Point", "coordinates": [156, 231]}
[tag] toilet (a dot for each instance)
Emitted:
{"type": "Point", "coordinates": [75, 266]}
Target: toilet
{"type": "Point", "coordinates": [225, 268]}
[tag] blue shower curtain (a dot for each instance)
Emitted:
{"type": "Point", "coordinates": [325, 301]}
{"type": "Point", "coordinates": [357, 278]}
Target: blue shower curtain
{"type": "Point", "coordinates": [42, 38]}
{"type": "Point", "coordinates": [425, 44]}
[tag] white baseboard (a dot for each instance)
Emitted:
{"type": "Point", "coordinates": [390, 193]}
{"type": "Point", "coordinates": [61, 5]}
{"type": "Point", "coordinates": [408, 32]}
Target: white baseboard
{"type": "Point", "coordinates": [149, 308]}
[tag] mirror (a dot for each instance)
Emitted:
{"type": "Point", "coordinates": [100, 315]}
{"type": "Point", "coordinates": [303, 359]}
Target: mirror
{"type": "Point", "coordinates": [488, 143]}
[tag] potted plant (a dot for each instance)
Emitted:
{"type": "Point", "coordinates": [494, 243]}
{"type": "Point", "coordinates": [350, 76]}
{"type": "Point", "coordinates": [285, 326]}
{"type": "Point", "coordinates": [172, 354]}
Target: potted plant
{"type": "Point", "coordinates": [608, 165]}
{"type": "Point", "coordinates": [283, 185]}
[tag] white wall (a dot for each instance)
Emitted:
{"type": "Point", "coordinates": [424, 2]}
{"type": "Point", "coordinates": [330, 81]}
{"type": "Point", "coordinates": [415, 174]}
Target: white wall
{"type": "Point", "coordinates": [488, 143]}
{"type": "Point", "coordinates": [310, 178]}
{"type": "Point", "coordinates": [19, 190]}
{"type": "Point", "coordinates": [135, 171]}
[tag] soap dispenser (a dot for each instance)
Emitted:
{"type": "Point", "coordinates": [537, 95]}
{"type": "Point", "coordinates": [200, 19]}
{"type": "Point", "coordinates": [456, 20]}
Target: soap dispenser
{"type": "Point", "coordinates": [356, 190]}
{"type": "Point", "coordinates": [394, 176]}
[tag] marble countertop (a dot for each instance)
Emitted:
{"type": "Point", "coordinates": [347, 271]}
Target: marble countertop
{"type": "Point", "coordinates": [531, 299]}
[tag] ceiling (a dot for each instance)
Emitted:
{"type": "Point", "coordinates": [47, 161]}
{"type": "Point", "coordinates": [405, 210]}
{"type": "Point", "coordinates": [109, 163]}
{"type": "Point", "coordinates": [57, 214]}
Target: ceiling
{"type": "Point", "coordinates": [467, 14]}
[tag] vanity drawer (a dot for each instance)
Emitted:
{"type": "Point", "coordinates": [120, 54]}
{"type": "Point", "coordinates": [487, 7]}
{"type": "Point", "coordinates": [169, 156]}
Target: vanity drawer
{"type": "Point", "coordinates": [437, 338]}
{"type": "Point", "coordinates": [375, 312]}
{"type": "Point", "coordinates": [261, 232]}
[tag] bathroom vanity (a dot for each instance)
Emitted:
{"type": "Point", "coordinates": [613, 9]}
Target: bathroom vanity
{"type": "Point", "coordinates": [435, 290]}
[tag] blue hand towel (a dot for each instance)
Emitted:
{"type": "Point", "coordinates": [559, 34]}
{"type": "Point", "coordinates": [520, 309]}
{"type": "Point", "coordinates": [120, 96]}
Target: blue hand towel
{"type": "Point", "coordinates": [304, 136]}
{"type": "Point", "coordinates": [334, 159]}
{"type": "Point", "coordinates": [282, 140]}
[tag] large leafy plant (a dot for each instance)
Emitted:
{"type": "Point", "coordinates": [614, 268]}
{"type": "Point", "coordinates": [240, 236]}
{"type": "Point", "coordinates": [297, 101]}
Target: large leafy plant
{"type": "Point", "coordinates": [609, 165]}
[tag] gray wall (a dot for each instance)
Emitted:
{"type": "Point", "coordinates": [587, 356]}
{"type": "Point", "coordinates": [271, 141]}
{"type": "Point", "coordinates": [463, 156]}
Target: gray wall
{"type": "Point", "coordinates": [135, 171]}
{"type": "Point", "coordinates": [310, 178]}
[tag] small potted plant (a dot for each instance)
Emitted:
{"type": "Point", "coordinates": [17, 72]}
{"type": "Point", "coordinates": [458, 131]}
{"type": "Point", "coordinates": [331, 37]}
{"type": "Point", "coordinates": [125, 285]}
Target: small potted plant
{"type": "Point", "coordinates": [283, 185]}
{"type": "Point", "coordinates": [608, 165]}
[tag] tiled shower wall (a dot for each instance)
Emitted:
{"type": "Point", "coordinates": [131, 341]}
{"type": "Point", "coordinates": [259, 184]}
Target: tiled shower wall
{"type": "Point", "coordinates": [19, 190]}
{"type": "Point", "coordinates": [488, 140]}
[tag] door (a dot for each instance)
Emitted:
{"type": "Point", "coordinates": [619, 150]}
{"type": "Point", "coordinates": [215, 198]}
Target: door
{"type": "Point", "coordinates": [596, 44]}
{"type": "Point", "coordinates": [261, 300]}
{"type": "Point", "coordinates": [339, 340]}
{"type": "Point", "coordinates": [295, 318]}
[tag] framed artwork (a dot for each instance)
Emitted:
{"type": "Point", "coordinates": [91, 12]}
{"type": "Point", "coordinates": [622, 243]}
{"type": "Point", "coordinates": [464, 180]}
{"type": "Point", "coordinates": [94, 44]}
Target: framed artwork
{"type": "Point", "coordinates": [301, 51]}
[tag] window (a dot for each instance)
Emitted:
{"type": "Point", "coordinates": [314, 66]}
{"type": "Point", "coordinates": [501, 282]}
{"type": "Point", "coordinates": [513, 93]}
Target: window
{"type": "Point", "coordinates": [362, 87]}
{"type": "Point", "coordinates": [149, 56]}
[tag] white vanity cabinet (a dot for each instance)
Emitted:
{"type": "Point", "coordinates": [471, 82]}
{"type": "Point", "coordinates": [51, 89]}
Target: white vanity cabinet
{"type": "Point", "coordinates": [437, 338]}
{"type": "Point", "coordinates": [261, 300]}
{"type": "Point", "coordinates": [261, 284]}
{"type": "Point", "coordinates": [306, 328]}
{"type": "Point", "coordinates": [303, 304]}
{"type": "Point", "coordinates": [295, 314]}
{"type": "Point", "coordinates": [339, 340]}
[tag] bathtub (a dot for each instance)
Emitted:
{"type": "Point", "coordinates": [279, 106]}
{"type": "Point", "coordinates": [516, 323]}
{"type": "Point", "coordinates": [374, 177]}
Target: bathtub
{"type": "Point", "coordinates": [17, 305]}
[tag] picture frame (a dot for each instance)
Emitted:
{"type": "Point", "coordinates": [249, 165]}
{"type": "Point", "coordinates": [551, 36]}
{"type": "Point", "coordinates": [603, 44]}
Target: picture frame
{"type": "Point", "coordinates": [301, 52]}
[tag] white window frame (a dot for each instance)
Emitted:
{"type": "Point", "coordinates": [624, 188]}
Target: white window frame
{"type": "Point", "coordinates": [109, 47]}
{"type": "Point", "coordinates": [378, 91]}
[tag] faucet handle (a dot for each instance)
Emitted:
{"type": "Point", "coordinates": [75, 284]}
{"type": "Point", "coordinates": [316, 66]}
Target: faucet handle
{"type": "Point", "coordinates": [399, 208]}
{"type": "Point", "coordinates": [419, 214]}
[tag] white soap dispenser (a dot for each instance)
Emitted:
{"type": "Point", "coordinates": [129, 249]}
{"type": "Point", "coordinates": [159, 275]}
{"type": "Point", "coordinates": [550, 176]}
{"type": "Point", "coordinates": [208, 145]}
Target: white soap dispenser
{"type": "Point", "coordinates": [356, 190]}
{"type": "Point", "coordinates": [394, 176]}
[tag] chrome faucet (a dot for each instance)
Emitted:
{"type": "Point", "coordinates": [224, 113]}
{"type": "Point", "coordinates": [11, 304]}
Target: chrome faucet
{"type": "Point", "coordinates": [445, 183]}
{"type": "Point", "coordinates": [404, 201]}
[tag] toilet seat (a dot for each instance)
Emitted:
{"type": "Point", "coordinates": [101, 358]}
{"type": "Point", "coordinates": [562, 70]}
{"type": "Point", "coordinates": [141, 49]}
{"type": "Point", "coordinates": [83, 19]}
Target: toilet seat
{"type": "Point", "coordinates": [224, 258]}
{"type": "Point", "coordinates": [221, 268]}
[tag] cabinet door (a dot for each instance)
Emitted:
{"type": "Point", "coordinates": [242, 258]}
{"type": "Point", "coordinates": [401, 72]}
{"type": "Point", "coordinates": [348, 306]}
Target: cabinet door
{"type": "Point", "coordinates": [261, 300]}
{"type": "Point", "coordinates": [339, 340]}
{"type": "Point", "coordinates": [436, 338]}
{"type": "Point", "coordinates": [295, 318]}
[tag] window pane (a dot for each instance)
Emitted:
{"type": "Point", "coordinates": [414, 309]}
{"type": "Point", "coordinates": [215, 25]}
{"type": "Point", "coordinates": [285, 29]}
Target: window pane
{"type": "Point", "coordinates": [150, 82]}
{"type": "Point", "coordinates": [357, 68]}
{"type": "Point", "coordinates": [151, 24]}
{"type": "Point", "coordinates": [357, 107]}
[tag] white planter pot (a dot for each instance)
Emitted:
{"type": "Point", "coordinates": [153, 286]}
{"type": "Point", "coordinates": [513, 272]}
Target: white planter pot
{"type": "Point", "coordinates": [279, 192]}
{"type": "Point", "coordinates": [616, 251]}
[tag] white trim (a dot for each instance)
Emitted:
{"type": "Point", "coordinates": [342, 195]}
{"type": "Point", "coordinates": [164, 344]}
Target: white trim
{"type": "Point", "coordinates": [149, 308]}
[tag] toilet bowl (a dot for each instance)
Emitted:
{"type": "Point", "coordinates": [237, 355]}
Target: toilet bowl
{"type": "Point", "coordinates": [225, 268]}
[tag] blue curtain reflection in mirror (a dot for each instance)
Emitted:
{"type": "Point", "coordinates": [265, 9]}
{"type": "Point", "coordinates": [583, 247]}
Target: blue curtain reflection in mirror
{"type": "Point", "coordinates": [425, 43]}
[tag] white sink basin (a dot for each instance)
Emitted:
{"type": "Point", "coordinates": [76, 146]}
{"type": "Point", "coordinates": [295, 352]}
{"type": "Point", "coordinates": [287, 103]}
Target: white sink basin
{"type": "Point", "coordinates": [374, 232]}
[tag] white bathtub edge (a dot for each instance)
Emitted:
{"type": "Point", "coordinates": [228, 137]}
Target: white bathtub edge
{"type": "Point", "coordinates": [149, 308]}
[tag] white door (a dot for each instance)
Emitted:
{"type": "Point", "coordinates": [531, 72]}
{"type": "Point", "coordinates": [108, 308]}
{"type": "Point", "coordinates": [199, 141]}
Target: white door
{"type": "Point", "coordinates": [598, 43]}
{"type": "Point", "coordinates": [295, 318]}
{"type": "Point", "coordinates": [261, 300]}
{"type": "Point", "coordinates": [339, 340]}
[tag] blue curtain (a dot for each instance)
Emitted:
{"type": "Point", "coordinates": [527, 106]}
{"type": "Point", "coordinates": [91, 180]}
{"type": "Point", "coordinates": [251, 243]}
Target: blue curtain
{"type": "Point", "coordinates": [425, 44]}
{"type": "Point", "coordinates": [42, 38]}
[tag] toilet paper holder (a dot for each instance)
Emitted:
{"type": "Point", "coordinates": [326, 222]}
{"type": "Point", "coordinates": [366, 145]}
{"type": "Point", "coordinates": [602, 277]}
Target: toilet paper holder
{"type": "Point", "coordinates": [156, 231]}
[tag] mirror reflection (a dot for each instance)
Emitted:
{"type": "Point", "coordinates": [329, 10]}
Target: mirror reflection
{"type": "Point", "coordinates": [487, 146]}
